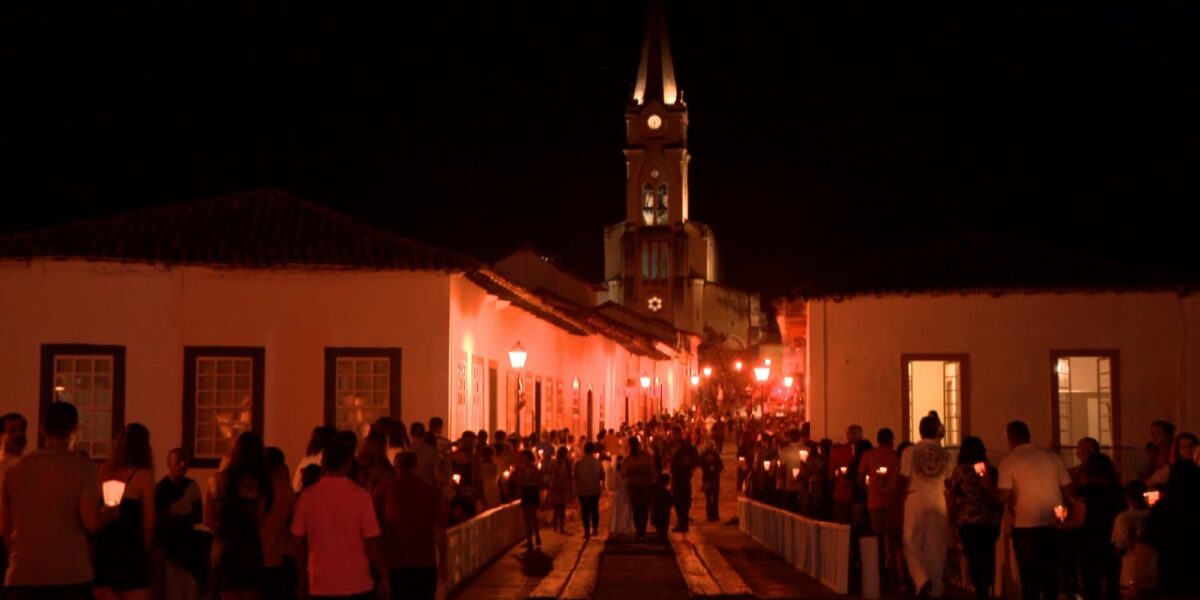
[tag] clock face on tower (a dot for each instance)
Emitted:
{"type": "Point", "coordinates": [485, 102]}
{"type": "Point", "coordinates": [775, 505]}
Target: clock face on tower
{"type": "Point", "coordinates": [654, 122]}
{"type": "Point", "coordinates": [655, 304]}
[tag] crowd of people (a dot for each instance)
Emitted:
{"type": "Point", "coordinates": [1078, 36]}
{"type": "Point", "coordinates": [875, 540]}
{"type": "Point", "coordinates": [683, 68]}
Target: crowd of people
{"type": "Point", "coordinates": [368, 518]}
{"type": "Point", "coordinates": [354, 518]}
{"type": "Point", "coordinates": [1075, 531]}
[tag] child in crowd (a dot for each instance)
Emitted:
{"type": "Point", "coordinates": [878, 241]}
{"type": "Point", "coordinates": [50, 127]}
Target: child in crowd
{"type": "Point", "coordinates": [1139, 560]}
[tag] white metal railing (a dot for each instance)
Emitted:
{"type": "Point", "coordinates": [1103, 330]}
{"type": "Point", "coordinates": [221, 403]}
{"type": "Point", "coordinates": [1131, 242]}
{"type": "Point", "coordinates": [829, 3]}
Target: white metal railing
{"type": "Point", "coordinates": [472, 544]}
{"type": "Point", "coordinates": [817, 548]}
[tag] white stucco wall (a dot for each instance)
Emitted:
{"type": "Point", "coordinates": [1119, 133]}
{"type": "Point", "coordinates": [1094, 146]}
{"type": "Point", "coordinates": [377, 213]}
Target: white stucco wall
{"type": "Point", "coordinates": [481, 326]}
{"type": "Point", "coordinates": [855, 346]}
{"type": "Point", "coordinates": [154, 312]}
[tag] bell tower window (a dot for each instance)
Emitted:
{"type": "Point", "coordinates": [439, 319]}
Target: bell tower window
{"type": "Point", "coordinates": [655, 262]}
{"type": "Point", "coordinates": [654, 204]}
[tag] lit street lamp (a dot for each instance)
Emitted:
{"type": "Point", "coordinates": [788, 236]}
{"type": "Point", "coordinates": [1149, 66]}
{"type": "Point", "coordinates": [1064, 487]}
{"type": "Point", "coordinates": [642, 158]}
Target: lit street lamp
{"type": "Point", "coordinates": [762, 374]}
{"type": "Point", "coordinates": [707, 372]}
{"type": "Point", "coordinates": [516, 357]}
{"type": "Point", "coordinates": [645, 381]}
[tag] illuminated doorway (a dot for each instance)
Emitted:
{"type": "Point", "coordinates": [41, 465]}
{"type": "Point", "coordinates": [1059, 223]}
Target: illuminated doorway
{"type": "Point", "coordinates": [935, 382]}
{"type": "Point", "coordinates": [1085, 399]}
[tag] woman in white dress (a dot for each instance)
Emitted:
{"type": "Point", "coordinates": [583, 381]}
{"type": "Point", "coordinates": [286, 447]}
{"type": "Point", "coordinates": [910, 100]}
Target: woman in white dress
{"type": "Point", "coordinates": [622, 511]}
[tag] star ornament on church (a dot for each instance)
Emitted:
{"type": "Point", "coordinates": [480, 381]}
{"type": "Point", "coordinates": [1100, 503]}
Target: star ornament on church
{"type": "Point", "coordinates": [655, 304]}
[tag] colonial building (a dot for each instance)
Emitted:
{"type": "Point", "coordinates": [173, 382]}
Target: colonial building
{"type": "Point", "coordinates": [984, 335]}
{"type": "Point", "coordinates": [263, 312]}
{"type": "Point", "coordinates": [657, 261]}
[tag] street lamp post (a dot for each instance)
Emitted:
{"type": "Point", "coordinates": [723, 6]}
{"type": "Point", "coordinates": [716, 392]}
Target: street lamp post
{"type": "Point", "coordinates": [645, 381]}
{"type": "Point", "coordinates": [762, 374]}
{"type": "Point", "coordinates": [516, 358]}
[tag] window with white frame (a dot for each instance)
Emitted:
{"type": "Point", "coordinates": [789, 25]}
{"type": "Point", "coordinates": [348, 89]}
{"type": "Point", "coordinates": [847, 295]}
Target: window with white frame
{"type": "Point", "coordinates": [361, 385]}
{"type": "Point", "coordinates": [91, 378]}
{"type": "Point", "coordinates": [223, 397]}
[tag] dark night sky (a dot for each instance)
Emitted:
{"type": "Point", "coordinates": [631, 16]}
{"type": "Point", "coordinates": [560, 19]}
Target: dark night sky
{"type": "Point", "coordinates": [819, 129]}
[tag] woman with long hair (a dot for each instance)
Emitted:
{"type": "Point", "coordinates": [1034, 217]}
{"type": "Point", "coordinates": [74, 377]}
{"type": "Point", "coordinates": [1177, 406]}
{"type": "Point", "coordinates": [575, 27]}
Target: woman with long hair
{"type": "Point", "coordinates": [976, 512]}
{"type": "Point", "coordinates": [1103, 499]}
{"type": "Point", "coordinates": [562, 484]}
{"type": "Point", "coordinates": [120, 554]}
{"type": "Point", "coordinates": [239, 497]}
{"type": "Point", "coordinates": [321, 436]}
{"type": "Point", "coordinates": [529, 482]}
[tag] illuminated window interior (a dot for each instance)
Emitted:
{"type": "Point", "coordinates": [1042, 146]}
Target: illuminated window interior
{"type": "Point", "coordinates": [1085, 400]}
{"type": "Point", "coordinates": [935, 385]}
{"type": "Point", "coordinates": [87, 382]}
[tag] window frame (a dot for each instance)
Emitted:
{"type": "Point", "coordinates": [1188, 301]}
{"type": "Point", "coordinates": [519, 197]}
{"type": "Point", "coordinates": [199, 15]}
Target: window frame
{"type": "Point", "coordinates": [1114, 356]}
{"type": "Point", "coordinates": [333, 353]}
{"type": "Point", "coordinates": [46, 380]}
{"type": "Point", "coordinates": [257, 356]}
{"type": "Point", "coordinates": [964, 392]}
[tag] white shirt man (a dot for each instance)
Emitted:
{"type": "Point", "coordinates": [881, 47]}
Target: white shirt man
{"type": "Point", "coordinates": [1034, 481]}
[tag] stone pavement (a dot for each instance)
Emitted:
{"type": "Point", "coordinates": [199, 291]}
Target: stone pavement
{"type": "Point", "coordinates": [713, 559]}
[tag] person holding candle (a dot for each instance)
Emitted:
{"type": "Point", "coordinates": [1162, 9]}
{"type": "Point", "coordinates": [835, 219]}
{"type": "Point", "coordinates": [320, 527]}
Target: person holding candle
{"type": "Point", "coordinates": [1173, 525]}
{"type": "Point", "coordinates": [882, 464]}
{"type": "Point", "coordinates": [1033, 481]}
{"type": "Point", "coordinates": [121, 550]}
{"type": "Point", "coordinates": [925, 467]}
{"type": "Point", "coordinates": [839, 466]}
{"type": "Point", "coordinates": [465, 490]}
{"type": "Point", "coordinates": [976, 512]}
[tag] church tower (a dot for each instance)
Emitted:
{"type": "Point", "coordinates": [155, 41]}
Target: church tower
{"type": "Point", "coordinates": [657, 262]}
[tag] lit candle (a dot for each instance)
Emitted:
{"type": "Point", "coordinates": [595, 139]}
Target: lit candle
{"type": "Point", "coordinates": [114, 490]}
{"type": "Point", "coordinates": [767, 465]}
{"type": "Point", "coordinates": [881, 470]}
{"type": "Point", "coordinates": [1060, 512]}
{"type": "Point", "coordinates": [507, 473]}
{"type": "Point", "coordinates": [457, 478]}
{"type": "Point", "coordinates": [868, 480]}
{"type": "Point", "coordinates": [844, 470]}
{"type": "Point", "coordinates": [981, 468]}
{"type": "Point", "coordinates": [795, 472]}
{"type": "Point", "coordinates": [803, 455]}
{"type": "Point", "coordinates": [1151, 497]}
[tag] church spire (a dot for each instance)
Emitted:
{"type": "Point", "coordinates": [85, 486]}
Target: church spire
{"type": "Point", "coordinates": [656, 73]}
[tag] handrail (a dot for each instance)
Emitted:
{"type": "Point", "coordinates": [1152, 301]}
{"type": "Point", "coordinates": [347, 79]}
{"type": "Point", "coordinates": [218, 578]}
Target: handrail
{"type": "Point", "coordinates": [818, 548]}
{"type": "Point", "coordinates": [474, 543]}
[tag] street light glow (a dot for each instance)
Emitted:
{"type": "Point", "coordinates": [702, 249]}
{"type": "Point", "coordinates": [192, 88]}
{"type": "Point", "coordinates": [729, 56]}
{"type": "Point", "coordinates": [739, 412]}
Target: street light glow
{"type": "Point", "coordinates": [707, 371]}
{"type": "Point", "coordinates": [737, 365]}
{"type": "Point", "coordinates": [695, 380]}
{"type": "Point", "coordinates": [788, 380]}
{"type": "Point", "coordinates": [517, 356]}
{"type": "Point", "coordinates": [645, 381]}
{"type": "Point", "coordinates": [762, 373]}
